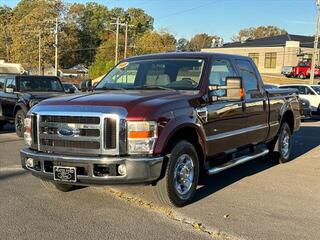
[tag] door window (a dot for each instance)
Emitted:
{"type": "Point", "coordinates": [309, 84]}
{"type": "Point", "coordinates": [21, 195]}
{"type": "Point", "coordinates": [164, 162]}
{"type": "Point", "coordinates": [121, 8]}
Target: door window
{"type": "Point", "coordinates": [250, 80]}
{"type": "Point", "coordinates": [1, 84]}
{"type": "Point", "coordinates": [220, 70]}
{"type": "Point", "coordinates": [11, 83]}
{"type": "Point", "coordinates": [305, 90]}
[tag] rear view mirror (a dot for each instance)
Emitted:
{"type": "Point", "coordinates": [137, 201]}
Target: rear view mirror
{"type": "Point", "coordinates": [231, 91]}
{"type": "Point", "coordinates": [86, 85]}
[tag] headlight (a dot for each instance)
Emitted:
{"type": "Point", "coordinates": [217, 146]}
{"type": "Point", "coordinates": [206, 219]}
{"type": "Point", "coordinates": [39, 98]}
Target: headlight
{"type": "Point", "coordinates": [27, 131]}
{"type": "Point", "coordinates": [142, 136]}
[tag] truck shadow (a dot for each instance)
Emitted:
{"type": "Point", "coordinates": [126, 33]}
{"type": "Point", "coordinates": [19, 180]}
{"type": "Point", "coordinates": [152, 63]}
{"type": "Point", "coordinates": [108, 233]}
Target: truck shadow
{"type": "Point", "coordinates": [8, 128]}
{"type": "Point", "coordinates": [305, 140]}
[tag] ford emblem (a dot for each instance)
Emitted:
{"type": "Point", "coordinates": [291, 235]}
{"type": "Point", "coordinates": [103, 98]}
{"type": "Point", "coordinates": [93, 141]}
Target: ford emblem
{"type": "Point", "coordinates": [68, 132]}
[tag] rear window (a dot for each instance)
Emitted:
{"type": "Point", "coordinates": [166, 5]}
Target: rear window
{"type": "Point", "coordinates": [39, 84]}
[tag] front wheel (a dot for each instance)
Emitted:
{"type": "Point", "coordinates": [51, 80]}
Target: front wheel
{"type": "Point", "coordinates": [19, 123]}
{"type": "Point", "coordinates": [180, 181]}
{"type": "Point", "coordinates": [301, 76]}
{"type": "Point", "coordinates": [280, 149]}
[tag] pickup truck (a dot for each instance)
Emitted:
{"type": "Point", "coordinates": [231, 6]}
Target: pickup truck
{"type": "Point", "coordinates": [18, 93]}
{"type": "Point", "coordinates": [303, 69]}
{"type": "Point", "coordinates": [164, 120]}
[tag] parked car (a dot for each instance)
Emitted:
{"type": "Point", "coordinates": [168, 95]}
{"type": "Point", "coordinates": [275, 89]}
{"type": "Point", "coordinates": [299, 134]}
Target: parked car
{"type": "Point", "coordinates": [70, 88]}
{"type": "Point", "coordinates": [287, 71]}
{"type": "Point", "coordinates": [20, 93]}
{"type": "Point", "coordinates": [303, 69]}
{"type": "Point", "coordinates": [308, 92]}
{"type": "Point", "coordinates": [305, 109]}
{"type": "Point", "coordinates": [161, 120]}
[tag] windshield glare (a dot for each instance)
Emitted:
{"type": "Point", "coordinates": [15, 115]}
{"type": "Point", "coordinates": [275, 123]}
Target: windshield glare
{"type": "Point", "coordinates": [40, 85]}
{"type": "Point", "coordinates": [178, 74]}
{"type": "Point", "coordinates": [316, 89]}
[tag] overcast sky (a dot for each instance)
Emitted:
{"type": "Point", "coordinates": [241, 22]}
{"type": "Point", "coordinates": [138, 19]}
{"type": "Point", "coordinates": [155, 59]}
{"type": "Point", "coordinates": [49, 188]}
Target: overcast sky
{"type": "Point", "coordinates": [225, 18]}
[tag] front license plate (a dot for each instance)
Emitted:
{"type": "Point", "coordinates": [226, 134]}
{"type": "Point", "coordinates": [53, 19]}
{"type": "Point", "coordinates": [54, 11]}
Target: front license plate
{"type": "Point", "coordinates": [64, 174]}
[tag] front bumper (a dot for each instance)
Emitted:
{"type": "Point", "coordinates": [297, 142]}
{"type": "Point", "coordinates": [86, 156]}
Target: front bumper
{"type": "Point", "coordinates": [139, 170]}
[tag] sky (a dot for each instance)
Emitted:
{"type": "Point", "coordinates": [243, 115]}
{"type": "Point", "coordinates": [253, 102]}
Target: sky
{"type": "Point", "coordinates": [184, 18]}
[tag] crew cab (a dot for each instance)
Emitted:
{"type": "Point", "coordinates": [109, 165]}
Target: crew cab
{"type": "Point", "coordinates": [18, 93]}
{"type": "Point", "coordinates": [163, 120]}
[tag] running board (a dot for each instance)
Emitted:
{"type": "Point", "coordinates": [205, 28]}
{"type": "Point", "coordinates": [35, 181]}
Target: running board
{"type": "Point", "coordinates": [237, 161]}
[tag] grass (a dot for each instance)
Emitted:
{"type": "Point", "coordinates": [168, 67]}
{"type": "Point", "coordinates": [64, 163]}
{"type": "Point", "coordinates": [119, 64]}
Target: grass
{"type": "Point", "coordinates": [283, 80]}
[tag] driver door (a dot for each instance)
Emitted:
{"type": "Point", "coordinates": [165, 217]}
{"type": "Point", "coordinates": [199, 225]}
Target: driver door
{"type": "Point", "coordinates": [226, 120]}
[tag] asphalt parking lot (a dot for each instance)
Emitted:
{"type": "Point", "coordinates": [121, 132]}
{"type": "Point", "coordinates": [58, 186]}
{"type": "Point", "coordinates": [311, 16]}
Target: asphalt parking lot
{"type": "Point", "coordinates": [258, 200]}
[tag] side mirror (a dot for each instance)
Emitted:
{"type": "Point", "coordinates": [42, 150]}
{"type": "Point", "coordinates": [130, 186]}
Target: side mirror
{"type": "Point", "coordinates": [9, 90]}
{"type": "Point", "coordinates": [232, 91]}
{"type": "Point", "coordinates": [86, 85]}
{"type": "Point", "coordinates": [71, 90]}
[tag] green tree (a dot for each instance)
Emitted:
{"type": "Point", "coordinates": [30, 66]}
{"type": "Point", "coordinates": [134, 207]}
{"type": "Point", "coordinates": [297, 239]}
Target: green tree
{"type": "Point", "coordinates": [156, 42]}
{"type": "Point", "coordinates": [258, 32]}
{"type": "Point", "coordinates": [200, 41]}
{"type": "Point", "coordinates": [5, 35]}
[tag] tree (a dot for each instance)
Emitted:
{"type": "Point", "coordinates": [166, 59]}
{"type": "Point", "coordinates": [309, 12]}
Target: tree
{"type": "Point", "coordinates": [258, 32]}
{"type": "Point", "coordinates": [200, 41]}
{"type": "Point", "coordinates": [182, 45]}
{"type": "Point", "coordinates": [156, 42]}
{"type": "Point", "coordinates": [5, 35]}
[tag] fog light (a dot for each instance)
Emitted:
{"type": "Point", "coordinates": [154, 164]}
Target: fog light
{"type": "Point", "coordinates": [122, 170]}
{"type": "Point", "coordinates": [30, 163]}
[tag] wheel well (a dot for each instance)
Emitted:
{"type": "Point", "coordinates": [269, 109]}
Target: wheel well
{"type": "Point", "coordinates": [189, 134]}
{"type": "Point", "coordinates": [288, 118]}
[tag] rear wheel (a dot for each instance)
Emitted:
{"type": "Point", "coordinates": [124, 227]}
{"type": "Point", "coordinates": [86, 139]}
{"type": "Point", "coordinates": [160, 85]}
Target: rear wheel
{"type": "Point", "coordinates": [179, 183]}
{"type": "Point", "coordinates": [280, 147]}
{"type": "Point", "coordinates": [2, 123]}
{"type": "Point", "coordinates": [301, 76]}
{"type": "Point", "coordinates": [19, 123]}
{"type": "Point", "coordinates": [52, 186]}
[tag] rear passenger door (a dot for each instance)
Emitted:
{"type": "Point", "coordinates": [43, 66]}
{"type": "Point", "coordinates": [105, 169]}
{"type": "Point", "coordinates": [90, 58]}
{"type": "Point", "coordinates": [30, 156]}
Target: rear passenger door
{"type": "Point", "coordinates": [2, 81]}
{"type": "Point", "coordinates": [256, 102]}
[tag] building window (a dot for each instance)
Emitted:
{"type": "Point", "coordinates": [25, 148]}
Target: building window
{"type": "Point", "coordinates": [255, 58]}
{"type": "Point", "coordinates": [270, 60]}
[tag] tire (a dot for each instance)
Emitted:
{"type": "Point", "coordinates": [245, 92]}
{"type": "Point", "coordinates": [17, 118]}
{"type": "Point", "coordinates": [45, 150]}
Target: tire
{"type": "Point", "coordinates": [52, 186]}
{"type": "Point", "coordinates": [301, 76]}
{"type": "Point", "coordinates": [280, 147]}
{"type": "Point", "coordinates": [2, 123]}
{"type": "Point", "coordinates": [171, 190]}
{"type": "Point", "coordinates": [19, 123]}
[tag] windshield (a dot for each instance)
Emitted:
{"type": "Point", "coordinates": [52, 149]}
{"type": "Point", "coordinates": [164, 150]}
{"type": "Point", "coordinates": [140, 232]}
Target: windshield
{"type": "Point", "coordinates": [177, 74]}
{"type": "Point", "coordinates": [316, 89]}
{"type": "Point", "coordinates": [39, 84]}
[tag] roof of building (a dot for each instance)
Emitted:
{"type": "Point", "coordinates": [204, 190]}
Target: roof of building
{"type": "Point", "coordinates": [276, 41]}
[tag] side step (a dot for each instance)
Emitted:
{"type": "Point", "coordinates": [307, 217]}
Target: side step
{"type": "Point", "coordinates": [237, 161]}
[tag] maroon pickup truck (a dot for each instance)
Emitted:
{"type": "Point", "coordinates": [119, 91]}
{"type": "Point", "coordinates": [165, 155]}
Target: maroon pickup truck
{"type": "Point", "coordinates": [164, 120]}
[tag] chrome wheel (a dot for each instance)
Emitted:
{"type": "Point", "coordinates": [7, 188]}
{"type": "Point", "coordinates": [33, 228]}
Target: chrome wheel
{"type": "Point", "coordinates": [19, 123]}
{"type": "Point", "coordinates": [285, 143]}
{"type": "Point", "coordinates": [183, 174]}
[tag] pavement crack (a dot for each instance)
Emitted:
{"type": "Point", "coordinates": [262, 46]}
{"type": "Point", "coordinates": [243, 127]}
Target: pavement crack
{"type": "Point", "coordinates": [171, 214]}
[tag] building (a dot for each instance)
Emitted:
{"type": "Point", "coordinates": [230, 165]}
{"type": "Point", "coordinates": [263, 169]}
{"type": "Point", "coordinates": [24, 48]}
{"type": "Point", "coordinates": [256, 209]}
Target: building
{"type": "Point", "coordinates": [272, 53]}
{"type": "Point", "coordinates": [10, 68]}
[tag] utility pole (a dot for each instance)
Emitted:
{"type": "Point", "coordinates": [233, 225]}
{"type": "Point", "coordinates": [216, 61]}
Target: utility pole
{"type": "Point", "coordinates": [126, 39]}
{"type": "Point", "coordinates": [117, 41]}
{"type": "Point", "coordinates": [39, 49]}
{"type": "Point", "coordinates": [56, 49]}
{"type": "Point", "coordinates": [315, 47]}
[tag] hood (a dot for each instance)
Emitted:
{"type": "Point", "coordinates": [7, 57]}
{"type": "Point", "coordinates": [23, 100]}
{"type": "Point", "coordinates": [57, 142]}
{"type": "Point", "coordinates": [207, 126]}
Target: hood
{"type": "Point", "coordinates": [41, 95]}
{"type": "Point", "coordinates": [139, 104]}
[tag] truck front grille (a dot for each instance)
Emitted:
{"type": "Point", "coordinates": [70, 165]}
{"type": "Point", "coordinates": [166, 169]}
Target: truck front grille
{"type": "Point", "coordinates": [93, 135]}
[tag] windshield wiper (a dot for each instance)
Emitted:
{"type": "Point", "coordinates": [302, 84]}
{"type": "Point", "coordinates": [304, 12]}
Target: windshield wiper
{"type": "Point", "coordinates": [110, 88]}
{"type": "Point", "coordinates": [155, 87]}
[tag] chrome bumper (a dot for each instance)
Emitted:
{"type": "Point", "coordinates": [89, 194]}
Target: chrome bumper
{"type": "Point", "coordinates": [139, 170]}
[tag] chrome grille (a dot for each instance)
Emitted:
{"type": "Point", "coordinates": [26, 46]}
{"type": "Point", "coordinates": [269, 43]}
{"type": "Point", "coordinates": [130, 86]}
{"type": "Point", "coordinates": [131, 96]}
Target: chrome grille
{"type": "Point", "coordinates": [88, 133]}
